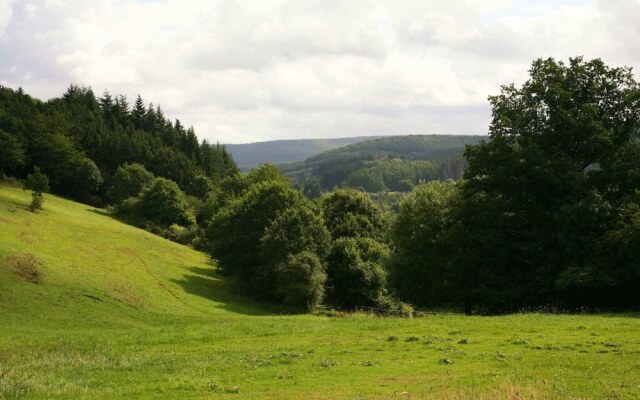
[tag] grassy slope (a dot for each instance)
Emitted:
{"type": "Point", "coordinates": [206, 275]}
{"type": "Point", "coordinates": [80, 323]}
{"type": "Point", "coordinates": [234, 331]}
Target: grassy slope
{"type": "Point", "coordinates": [120, 313]}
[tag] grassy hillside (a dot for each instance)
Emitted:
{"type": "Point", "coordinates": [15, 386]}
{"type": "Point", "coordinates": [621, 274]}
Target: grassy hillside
{"type": "Point", "coordinates": [249, 155]}
{"type": "Point", "coordinates": [94, 309]}
{"type": "Point", "coordinates": [382, 164]}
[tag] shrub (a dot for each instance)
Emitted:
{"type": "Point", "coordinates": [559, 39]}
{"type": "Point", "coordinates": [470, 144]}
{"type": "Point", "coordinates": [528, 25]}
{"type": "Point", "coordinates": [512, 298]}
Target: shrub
{"type": "Point", "coordinates": [201, 187]}
{"type": "Point", "coordinates": [235, 231]}
{"type": "Point", "coordinates": [418, 269]}
{"type": "Point", "coordinates": [163, 203]}
{"type": "Point", "coordinates": [300, 280]}
{"type": "Point", "coordinates": [349, 213]}
{"type": "Point", "coordinates": [128, 181]}
{"type": "Point", "coordinates": [356, 273]}
{"type": "Point", "coordinates": [38, 183]}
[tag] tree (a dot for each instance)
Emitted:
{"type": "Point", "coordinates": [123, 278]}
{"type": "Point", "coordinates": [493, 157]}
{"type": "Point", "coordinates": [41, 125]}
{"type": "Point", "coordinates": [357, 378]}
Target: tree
{"type": "Point", "coordinates": [84, 179]}
{"type": "Point", "coordinates": [268, 231]}
{"type": "Point", "coordinates": [294, 230]}
{"type": "Point", "coordinates": [201, 187]}
{"type": "Point", "coordinates": [38, 183]}
{"type": "Point", "coordinates": [625, 244]}
{"type": "Point", "coordinates": [538, 198]}
{"type": "Point", "coordinates": [356, 272]}
{"type": "Point", "coordinates": [162, 202]}
{"type": "Point", "coordinates": [138, 112]}
{"type": "Point", "coordinates": [55, 154]}
{"type": "Point", "coordinates": [235, 231]}
{"type": "Point", "coordinates": [422, 247]}
{"type": "Point", "coordinates": [128, 181]}
{"type": "Point", "coordinates": [300, 280]}
{"type": "Point", "coordinates": [266, 172]}
{"type": "Point", "coordinates": [349, 213]}
{"type": "Point", "coordinates": [12, 153]}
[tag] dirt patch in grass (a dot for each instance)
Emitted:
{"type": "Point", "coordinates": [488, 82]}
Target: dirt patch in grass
{"type": "Point", "coordinates": [7, 221]}
{"type": "Point", "coordinates": [27, 266]}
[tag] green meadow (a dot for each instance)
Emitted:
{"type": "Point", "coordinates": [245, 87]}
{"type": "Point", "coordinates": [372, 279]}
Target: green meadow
{"type": "Point", "coordinates": [91, 308]}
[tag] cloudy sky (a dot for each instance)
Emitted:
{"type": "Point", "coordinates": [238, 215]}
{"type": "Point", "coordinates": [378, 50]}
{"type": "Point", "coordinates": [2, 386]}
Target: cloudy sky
{"type": "Point", "coordinates": [252, 70]}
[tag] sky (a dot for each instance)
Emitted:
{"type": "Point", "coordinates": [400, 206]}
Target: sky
{"type": "Point", "coordinates": [243, 71]}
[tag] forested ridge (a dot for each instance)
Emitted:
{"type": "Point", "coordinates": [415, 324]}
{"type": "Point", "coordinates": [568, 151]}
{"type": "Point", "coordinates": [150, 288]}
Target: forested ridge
{"type": "Point", "coordinates": [395, 163]}
{"type": "Point", "coordinates": [547, 214]}
{"type": "Point", "coordinates": [249, 155]}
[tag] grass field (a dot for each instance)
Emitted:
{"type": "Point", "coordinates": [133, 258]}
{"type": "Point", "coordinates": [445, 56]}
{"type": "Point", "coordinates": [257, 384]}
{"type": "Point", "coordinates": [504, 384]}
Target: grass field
{"type": "Point", "coordinates": [94, 309]}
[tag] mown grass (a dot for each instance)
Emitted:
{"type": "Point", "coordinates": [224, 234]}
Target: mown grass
{"type": "Point", "coordinates": [93, 309]}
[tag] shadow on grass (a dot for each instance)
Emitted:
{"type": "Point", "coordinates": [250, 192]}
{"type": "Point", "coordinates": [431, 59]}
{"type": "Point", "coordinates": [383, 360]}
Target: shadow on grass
{"type": "Point", "coordinates": [104, 213]}
{"type": "Point", "coordinates": [207, 283]}
{"type": "Point", "coordinates": [13, 205]}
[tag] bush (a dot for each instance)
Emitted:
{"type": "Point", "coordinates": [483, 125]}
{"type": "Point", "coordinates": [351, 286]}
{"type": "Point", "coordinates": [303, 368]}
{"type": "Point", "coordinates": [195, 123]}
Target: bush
{"type": "Point", "coordinates": [38, 183]}
{"type": "Point", "coordinates": [181, 234]}
{"type": "Point", "coordinates": [128, 181]}
{"type": "Point", "coordinates": [85, 178]}
{"type": "Point", "coordinates": [163, 203]}
{"type": "Point", "coordinates": [235, 231]}
{"type": "Point", "coordinates": [422, 247]}
{"type": "Point", "coordinates": [356, 273]}
{"type": "Point", "coordinates": [294, 230]}
{"type": "Point", "coordinates": [300, 280]}
{"type": "Point", "coordinates": [201, 187]}
{"type": "Point", "coordinates": [349, 213]}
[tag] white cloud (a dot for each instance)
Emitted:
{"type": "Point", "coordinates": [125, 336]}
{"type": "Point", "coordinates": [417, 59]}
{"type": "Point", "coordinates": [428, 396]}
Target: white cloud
{"type": "Point", "coordinates": [242, 70]}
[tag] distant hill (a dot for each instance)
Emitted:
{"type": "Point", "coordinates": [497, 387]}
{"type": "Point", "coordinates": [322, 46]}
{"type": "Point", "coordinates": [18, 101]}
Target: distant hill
{"type": "Point", "coordinates": [394, 163]}
{"type": "Point", "coordinates": [284, 151]}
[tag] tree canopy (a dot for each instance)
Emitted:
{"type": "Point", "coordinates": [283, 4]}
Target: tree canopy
{"type": "Point", "coordinates": [541, 195]}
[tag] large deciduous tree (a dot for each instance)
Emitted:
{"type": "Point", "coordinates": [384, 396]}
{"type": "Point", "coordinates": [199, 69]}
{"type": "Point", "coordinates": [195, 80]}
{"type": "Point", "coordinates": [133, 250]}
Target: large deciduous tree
{"type": "Point", "coordinates": [542, 194]}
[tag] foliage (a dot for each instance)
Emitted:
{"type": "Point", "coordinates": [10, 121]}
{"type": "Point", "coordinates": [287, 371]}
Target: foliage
{"type": "Point", "coordinates": [128, 181]}
{"type": "Point", "coordinates": [12, 153]}
{"type": "Point", "coordinates": [381, 164]}
{"type": "Point", "coordinates": [356, 272]}
{"type": "Point", "coordinates": [162, 202]}
{"type": "Point", "coordinates": [201, 187]}
{"type": "Point", "coordinates": [294, 230]}
{"type": "Point", "coordinates": [64, 135]}
{"type": "Point", "coordinates": [251, 155]}
{"type": "Point", "coordinates": [420, 270]}
{"type": "Point", "coordinates": [393, 174]}
{"type": "Point", "coordinates": [349, 213]}
{"type": "Point", "coordinates": [85, 178]}
{"type": "Point", "coordinates": [234, 232]}
{"type": "Point", "coordinates": [540, 197]}
{"type": "Point", "coordinates": [38, 183]}
{"type": "Point", "coordinates": [300, 280]}
{"type": "Point", "coordinates": [266, 172]}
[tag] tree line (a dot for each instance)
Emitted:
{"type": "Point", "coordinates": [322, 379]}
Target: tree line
{"type": "Point", "coordinates": [547, 214]}
{"type": "Point", "coordinates": [79, 141]}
